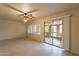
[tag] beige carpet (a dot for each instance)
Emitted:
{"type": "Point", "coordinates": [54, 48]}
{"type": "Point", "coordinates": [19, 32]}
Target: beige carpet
{"type": "Point", "coordinates": [28, 47]}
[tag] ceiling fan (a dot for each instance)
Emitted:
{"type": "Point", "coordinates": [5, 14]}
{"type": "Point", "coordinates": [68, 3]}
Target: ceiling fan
{"type": "Point", "coordinates": [26, 15]}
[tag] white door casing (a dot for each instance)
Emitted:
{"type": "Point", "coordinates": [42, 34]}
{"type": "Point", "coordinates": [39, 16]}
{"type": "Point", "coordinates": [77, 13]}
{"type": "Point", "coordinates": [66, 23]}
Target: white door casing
{"type": "Point", "coordinates": [66, 32]}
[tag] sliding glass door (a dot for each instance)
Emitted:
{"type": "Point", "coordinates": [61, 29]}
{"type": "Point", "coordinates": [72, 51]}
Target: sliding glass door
{"type": "Point", "coordinates": [53, 33]}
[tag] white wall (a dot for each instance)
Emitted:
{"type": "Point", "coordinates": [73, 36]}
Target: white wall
{"type": "Point", "coordinates": [11, 29]}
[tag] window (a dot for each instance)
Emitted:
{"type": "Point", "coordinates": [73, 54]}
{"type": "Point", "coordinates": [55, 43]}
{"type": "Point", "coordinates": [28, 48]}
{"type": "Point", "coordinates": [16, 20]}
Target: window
{"type": "Point", "coordinates": [60, 29]}
{"type": "Point", "coordinates": [30, 29]}
{"type": "Point", "coordinates": [54, 29]}
{"type": "Point", "coordinates": [46, 28]}
{"type": "Point", "coordinates": [36, 29]}
{"type": "Point", "coordinates": [57, 22]}
{"type": "Point", "coordinates": [54, 34]}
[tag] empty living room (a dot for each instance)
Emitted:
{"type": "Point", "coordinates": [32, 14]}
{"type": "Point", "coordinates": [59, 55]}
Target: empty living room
{"type": "Point", "coordinates": [39, 29]}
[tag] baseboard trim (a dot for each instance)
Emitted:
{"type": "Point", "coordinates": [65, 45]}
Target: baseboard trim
{"type": "Point", "coordinates": [74, 53]}
{"type": "Point", "coordinates": [34, 39]}
{"type": "Point", "coordinates": [16, 38]}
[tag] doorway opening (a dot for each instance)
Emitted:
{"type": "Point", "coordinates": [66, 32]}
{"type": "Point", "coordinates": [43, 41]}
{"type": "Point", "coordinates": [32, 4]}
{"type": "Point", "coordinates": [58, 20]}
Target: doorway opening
{"type": "Point", "coordinates": [53, 33]}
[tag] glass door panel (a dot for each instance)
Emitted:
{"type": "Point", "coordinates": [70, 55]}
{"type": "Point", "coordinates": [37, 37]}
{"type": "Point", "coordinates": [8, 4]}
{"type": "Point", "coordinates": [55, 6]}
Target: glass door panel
{"type": "Point", "coordinates": [48, 38]}
{"type": "Point", "coordinates": [57, 33]}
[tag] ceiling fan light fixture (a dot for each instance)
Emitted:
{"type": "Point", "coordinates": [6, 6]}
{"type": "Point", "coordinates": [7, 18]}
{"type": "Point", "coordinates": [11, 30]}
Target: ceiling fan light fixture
{"type": "Point", "coordinates": [25, 20]}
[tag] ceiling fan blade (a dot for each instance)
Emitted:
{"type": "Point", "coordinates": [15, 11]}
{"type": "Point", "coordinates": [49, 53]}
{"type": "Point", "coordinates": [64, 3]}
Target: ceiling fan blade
{"type": "Point", "coordinates": [21, 15]}
{"type": "Point", "coordinates": [32, 11]}
{"type": "Point", "coordinates": [12, 8]}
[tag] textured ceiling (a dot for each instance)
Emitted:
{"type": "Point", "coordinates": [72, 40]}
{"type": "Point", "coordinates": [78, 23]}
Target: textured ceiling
{"type": "Point", "coordinates": [44, 9]}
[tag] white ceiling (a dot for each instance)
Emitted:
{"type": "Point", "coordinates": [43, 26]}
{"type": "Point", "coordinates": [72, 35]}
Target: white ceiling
{"type": "Point", "coordinates": [44, 9]}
